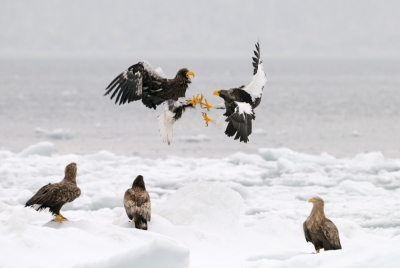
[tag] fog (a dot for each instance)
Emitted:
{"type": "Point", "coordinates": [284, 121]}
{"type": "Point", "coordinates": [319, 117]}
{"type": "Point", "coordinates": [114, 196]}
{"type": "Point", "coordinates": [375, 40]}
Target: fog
{"type": "Point", "coordinates": [202, 29]}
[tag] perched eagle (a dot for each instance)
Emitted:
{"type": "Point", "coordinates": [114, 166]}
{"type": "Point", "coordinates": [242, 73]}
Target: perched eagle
{"type": "Point", "coordinates": [142, 82]}
{"type": "Point", "coordinates": [56, 195]}
{"type": "Point", "coordinates": [320, 230]}
{"type": "Point", "coordinates": [137, 204]}
{"type": "Point", "coordinates": [240, 102]}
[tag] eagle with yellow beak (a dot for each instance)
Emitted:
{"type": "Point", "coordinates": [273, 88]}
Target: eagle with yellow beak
{"type": "Point", "coordinates": [142, 82]}
{"type": "Point", "coordinates": [240, 102]}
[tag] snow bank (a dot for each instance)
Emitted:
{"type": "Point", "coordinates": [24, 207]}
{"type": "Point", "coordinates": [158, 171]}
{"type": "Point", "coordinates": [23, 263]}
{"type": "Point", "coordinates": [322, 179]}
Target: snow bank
{"type": "Point", "coordinates": [42, 148]}
{"type": "Point", "coordinates": [245, 210]}
{"type": "Point", "coordinates": [206, 204]}
{"type": "Point", "coordinates": [154, 254]}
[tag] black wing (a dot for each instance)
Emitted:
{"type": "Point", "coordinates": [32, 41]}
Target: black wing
{"type": "Point", "coordinates": [240, 124]}
{"type": "Point", "coordinates": [140, 81]}
{"type": "Point", "coordinates": [256, 59]}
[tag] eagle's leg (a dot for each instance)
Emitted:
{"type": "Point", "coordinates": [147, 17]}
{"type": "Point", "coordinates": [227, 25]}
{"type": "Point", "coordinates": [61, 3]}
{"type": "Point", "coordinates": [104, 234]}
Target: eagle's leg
{"type": "Point", "coordinates": [206, 118]}
{"type": "Point", "coordinates": [194, 101]}
{"type": "Point", "coordinates": [317, 250]}
{"type": "Point", "coordinates": [59, 218]}
{"type": "Point", "coordinates": [206, 105]}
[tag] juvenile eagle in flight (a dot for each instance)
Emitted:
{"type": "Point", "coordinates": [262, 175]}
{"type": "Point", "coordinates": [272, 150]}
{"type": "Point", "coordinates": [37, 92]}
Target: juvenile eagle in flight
{"type": "Point", "coordinates": [320, 230]}
{"type": "Point", "coordinates": [137, 204]}
{"type": "Point", "coordinates": [56, 195]}
{"type": "Point", "coordinates": [240, 102]}
{"type": "Point", "coordinates": [142, 82]}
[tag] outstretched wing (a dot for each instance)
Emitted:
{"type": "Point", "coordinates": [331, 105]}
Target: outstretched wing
{"type": "Point", "coordinates": [331, 233]}
{"type": "Point", "coordinates": [137, 203]}
{"type": "Point", "coordinates": [256, 86]}
{"type": "Point", "coordinates": [140, 81]}
{"type": "Point", "coordinates": [53, 195]}
{"type": "Point", "coordinates": [239, 122]}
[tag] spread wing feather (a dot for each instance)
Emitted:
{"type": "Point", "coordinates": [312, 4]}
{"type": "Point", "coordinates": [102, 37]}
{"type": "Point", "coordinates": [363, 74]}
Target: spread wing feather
{"type": "Point", "coordinates": [138, 79]}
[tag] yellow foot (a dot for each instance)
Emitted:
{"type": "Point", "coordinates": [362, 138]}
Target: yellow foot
{"type": "Point", "coordinates": [206, 105]}
{"type": "Point", "coordinates": [59, 218]}
{"type": "Point", "coordinates": [317, 250]}
{"type": "Point", "coordinates": [206, 118]}
{"type": "Point", "coordinates": [200, 101]}
{"type": "Point", "coordinates": [194, 101]}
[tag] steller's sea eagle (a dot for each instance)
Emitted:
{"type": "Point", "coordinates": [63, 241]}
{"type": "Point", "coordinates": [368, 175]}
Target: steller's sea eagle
{"type": "Point", "coordinates": [320, 230]}
{"type": "Point", "coordinates": [137, 204]}
{"type": "Point", "coordinates": [142, 82]}
{"type": "Point", "coordinates": [56, 195]}
{"type": "Point", "coordinates": [240, 102]}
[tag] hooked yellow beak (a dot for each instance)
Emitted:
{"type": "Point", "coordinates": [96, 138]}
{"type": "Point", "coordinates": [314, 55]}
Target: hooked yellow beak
{"type": "Point", "coordinates": [312, 200]}
{"type": "Point", "coordinates": [189, 73]}
{"type": "Point", "coordinates": [216, 93]}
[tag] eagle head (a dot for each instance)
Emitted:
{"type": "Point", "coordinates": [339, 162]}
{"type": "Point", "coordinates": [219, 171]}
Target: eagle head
{"type": "Point", "coordinates": [185, 75]}
{"type": "Point", "coordinates": [138, 182]}
{"type": "Point", "coordinates": [317, 201]}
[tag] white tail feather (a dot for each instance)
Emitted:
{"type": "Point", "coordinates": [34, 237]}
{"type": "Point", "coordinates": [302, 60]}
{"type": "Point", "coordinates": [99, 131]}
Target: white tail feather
{"type": "Point", "coordinates": [166, 125]}
{"type": "Point", "coordinates": [36, 206]}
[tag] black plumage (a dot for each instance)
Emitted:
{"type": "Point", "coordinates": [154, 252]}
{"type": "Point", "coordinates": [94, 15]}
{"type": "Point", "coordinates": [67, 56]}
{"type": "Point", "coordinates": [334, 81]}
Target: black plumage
{"type": "Point", "coordinates": [137, 204]}
{"type": "Point", "coordinates": [142, 82]}
{"type": "Point", "coordinates": [240, 102]}
{"type": "Point", "coordinates": [56, 195]}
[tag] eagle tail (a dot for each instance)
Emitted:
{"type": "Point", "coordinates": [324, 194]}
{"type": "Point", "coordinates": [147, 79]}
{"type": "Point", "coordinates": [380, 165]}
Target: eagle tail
{"type": "Point", "coordinates": [166, 125]}
{"type": "Point", "coordinates": [141, 223]}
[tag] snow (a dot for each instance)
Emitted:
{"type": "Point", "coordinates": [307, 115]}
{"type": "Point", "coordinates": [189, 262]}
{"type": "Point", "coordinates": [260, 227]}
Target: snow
{"type": "Point", "coordinates": [245, 210]}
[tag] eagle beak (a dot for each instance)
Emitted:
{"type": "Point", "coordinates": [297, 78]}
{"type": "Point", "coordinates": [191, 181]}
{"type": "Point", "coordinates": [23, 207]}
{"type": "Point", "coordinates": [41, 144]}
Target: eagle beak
{"type": "Point", "coordinates": [312, 200]}
{"type": "Point", "coordinates": [216, 93]}
{"type": "Point", "coordinates": [189, 73]}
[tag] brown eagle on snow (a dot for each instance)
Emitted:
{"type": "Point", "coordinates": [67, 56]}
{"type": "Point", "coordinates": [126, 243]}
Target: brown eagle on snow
{"type": "Point", "coordinates": [320, 230]}
{"type": "Point", "coordinates": [142, 82]}
{"type": "Point", "coordinates": [137, 203]}
{"type": "Point", "coordinates": [56, 195]}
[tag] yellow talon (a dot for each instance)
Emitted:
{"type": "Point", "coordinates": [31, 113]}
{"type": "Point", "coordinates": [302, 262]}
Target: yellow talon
{"type": "Point", "coordinates": [207, 105]}
{"type": "Point", "coordinates": [200, 101]}
{"type": "Point", "coordinates": [194, 101]}
{"type": "Point", "coordinates": [206, 118]}
{"type": "Point", "coordinates": [59, 218]}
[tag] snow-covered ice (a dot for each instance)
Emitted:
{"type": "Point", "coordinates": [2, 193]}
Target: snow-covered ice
{"type": "Point", "coordinates": [245, 210]}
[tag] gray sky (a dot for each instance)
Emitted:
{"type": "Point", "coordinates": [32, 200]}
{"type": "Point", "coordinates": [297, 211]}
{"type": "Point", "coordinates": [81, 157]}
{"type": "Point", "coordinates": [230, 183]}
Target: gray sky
{"type": "Point", "coordinates": [148, 29]}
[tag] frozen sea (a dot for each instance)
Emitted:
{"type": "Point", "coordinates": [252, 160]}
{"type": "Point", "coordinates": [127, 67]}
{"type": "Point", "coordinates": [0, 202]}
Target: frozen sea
{"type": "Point", "coordinates": [313, 106]}
{"type": "Point", "coordinates": [325, 128]}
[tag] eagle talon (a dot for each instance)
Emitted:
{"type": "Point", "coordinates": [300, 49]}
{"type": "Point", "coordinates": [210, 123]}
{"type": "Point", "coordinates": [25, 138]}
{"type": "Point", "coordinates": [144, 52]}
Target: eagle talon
{"type": "Point", "coordinates": [206, 105]}
{"type": "Point", "coordinates": [200, 101]}
{"type": "Point", "coordinates": [194, 101]}
{"type": "Point", "coordinates": [59, 218]}
{"type": "Point", "coordinates": [206, 119]}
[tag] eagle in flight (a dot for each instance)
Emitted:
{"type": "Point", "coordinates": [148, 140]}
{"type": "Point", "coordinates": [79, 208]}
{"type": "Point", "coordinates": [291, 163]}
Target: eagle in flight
{"type": "Point", "coordinates": [142, 82]}
{"type": "Point", "coordinates": [56, 195]}
{"type": "Point", "coordinates": [240, 102]}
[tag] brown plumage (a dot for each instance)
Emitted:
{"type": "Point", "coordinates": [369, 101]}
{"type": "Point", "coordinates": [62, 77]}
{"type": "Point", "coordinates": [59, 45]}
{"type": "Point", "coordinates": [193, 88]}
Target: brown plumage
{"type": "Point", "coordinates": [137, 204]}
{"type": "Point", "coordinates": [320, 230]}
{"type": "Point", "coordinates": [56, 195]}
